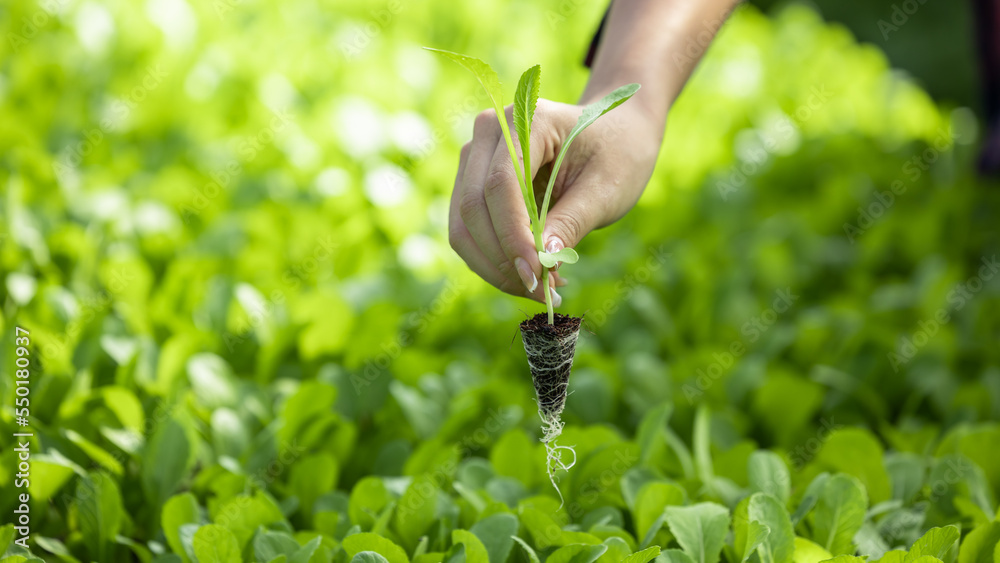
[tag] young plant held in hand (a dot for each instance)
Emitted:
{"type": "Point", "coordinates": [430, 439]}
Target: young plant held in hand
{"type": "Point", "coordinates": [550, 345]}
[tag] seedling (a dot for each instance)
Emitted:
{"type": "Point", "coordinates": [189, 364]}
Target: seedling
{"type": "Point", "coordinates": [550, 346]}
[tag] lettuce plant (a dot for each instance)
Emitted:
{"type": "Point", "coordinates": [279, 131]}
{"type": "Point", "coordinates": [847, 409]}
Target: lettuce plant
{"type": "Point", "coordinates": [550, 345]}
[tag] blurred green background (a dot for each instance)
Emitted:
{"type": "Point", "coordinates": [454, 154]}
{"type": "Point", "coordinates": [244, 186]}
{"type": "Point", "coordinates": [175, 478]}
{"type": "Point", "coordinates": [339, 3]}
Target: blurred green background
{"type": "Point", "coordinates": [224, 224]}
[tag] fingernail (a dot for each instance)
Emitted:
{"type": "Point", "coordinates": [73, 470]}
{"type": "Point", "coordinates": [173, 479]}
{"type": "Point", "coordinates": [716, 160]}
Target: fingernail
{"type": "Point", "coordinates": [556, 299]}
{"type": "Point", "coordinates": [561, 281]}
{"type": "Point", "coordinates": [555, 245]}
{"type": "Point", "coordinates": [527, 276]}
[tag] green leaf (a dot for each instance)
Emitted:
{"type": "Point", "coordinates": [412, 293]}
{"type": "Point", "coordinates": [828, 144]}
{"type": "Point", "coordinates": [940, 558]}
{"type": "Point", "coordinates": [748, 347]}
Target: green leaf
{"type": "Point", "coordinates": [179, 510]}
{"type": "Point", "coordinates": [809, 552]}
{"type": "Point", "coordinates": [491, 83]}
{"type": "Point", "coordinates": [99, 507]}
{"type": "Point", "coordinates": [978, 545]}
{"type": "Point", "coordinates": [650, 429]}
{"type": "Point", "coordinates": [475, 551]}
{"type": "Point", "coordinates": [846, 559]}
{"type": "Point", "coordinates": [367, 541]}
{"type": "Point", "coordinates": [702, 446]}
{"type": "Point", "coordinates": [216, 544]}
{"type": "Point", "coordinates": [243, 515]}
{"type": "Point", "coordinates": [675, 556]}
{"type": "Point", "coordinates": [508, 453]}
{"type": "Point", "coordinates": [810, 497]}
{"type": "Point", "coordinates": [936, 542]}
{"type": "Point", "coordinates": [779, 545]}
{"type": "Point", "coordinates": [495, 532]}
{"type": "Point", "coordinates": [6, 537]}
{"type": "Point", "coordinates": [768, 473]}
{"type": "Point", "coordinates": [268, 545]}
{"type": "Point", "coordinates": [60, 550]}
{"type": "Point", "coordinates": [894, 556]}
{"type": "Point", "coordinates": [857, 452]}
{"type": "Point", "coordinates": [550, 259]}
{"type": "Point", "coordinates": [644, 556]}
{"type": "Point", "coordinates": [416, 510]}
{"type": "Point", "coordinates": [368, 557]}
{"type": "Point", "coordinates": [165, 461]}
{"type": "Point", "coordinates": [229, 435]}
{"type": "Point", "coordinates": [906, 474]}
{"type": "Point", "coordinates": [650, 503]}
{"type": "Point", "coordinates": [577, 553]}
{"type": "Point", "coordinates": [368, 498]}
{"type": "Point", "coordinates": [615, 98]}
{"type": "Point", "coordinates": [421, 547]}
{"type": "Point", "coordinates": [839, 514]}
{"type": "Point", "coordinates": [587, 118]}
{"type": "Point", "coordinates": [525, 99]}
{"type": "Point", "coordinates": [483, 72]}
{"type": "Point", "coordinates": [95, 452]}
{"type": "Point", "coordinates": [756, 535]}
{"type": "Point", "coordinates": [311, 477]}
{"type": "Point", "coordinates": [700, 529]}
{"type": "Point", "coordinates": [532, 556]}
{"type": "Point", "coordinates": [618, 550]}
{"type": "Point", "coordinates": [305, 553]}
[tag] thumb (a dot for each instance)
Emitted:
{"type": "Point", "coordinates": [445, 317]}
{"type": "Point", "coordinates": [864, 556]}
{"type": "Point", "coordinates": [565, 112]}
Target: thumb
{"type": "Point", "coordinates": [572, 217]}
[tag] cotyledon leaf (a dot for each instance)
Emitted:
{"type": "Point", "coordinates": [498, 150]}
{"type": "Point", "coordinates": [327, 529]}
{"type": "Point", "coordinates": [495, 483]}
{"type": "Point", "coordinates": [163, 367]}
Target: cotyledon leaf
{"type": "Point", "coordinates": [550, 259]}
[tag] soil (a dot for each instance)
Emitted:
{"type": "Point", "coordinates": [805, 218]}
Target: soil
{"type": "Point", "coordinates": [564, 324]}
{"type": "Point", "coordinates": [550, 350]}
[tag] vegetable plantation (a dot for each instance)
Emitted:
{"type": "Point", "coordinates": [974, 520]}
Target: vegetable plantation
{"type": "Point", "coordinates": [224, 239]}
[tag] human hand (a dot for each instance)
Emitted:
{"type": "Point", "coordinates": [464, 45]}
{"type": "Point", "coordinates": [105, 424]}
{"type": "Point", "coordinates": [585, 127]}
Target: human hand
{"type": "Point", "coordinates": [601, 178]}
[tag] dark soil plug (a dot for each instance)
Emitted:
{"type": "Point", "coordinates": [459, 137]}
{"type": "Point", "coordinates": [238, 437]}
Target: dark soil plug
{"type": "Point", "coordinates": [550, 349]}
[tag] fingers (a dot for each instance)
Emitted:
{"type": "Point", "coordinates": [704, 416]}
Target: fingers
{"type": "Point", "coordinates": [509, 214]}
{"type": "Point", "coordinates": [489, 221]}
{"type": "Point", "coordinates": [475, 237]}
{"type": "Point", "coordinates": [472, 206]}
{"type": "Point", "coordinates": [458, 235]}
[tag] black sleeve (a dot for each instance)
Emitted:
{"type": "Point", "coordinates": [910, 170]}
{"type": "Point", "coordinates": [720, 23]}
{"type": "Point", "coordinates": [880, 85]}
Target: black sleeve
{"type": "Point", "coordinates": [592, 51]}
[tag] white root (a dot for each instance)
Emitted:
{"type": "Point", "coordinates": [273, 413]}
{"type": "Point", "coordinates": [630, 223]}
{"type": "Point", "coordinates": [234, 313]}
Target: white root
{"type": "Point", "coordinates": [552, 428]}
